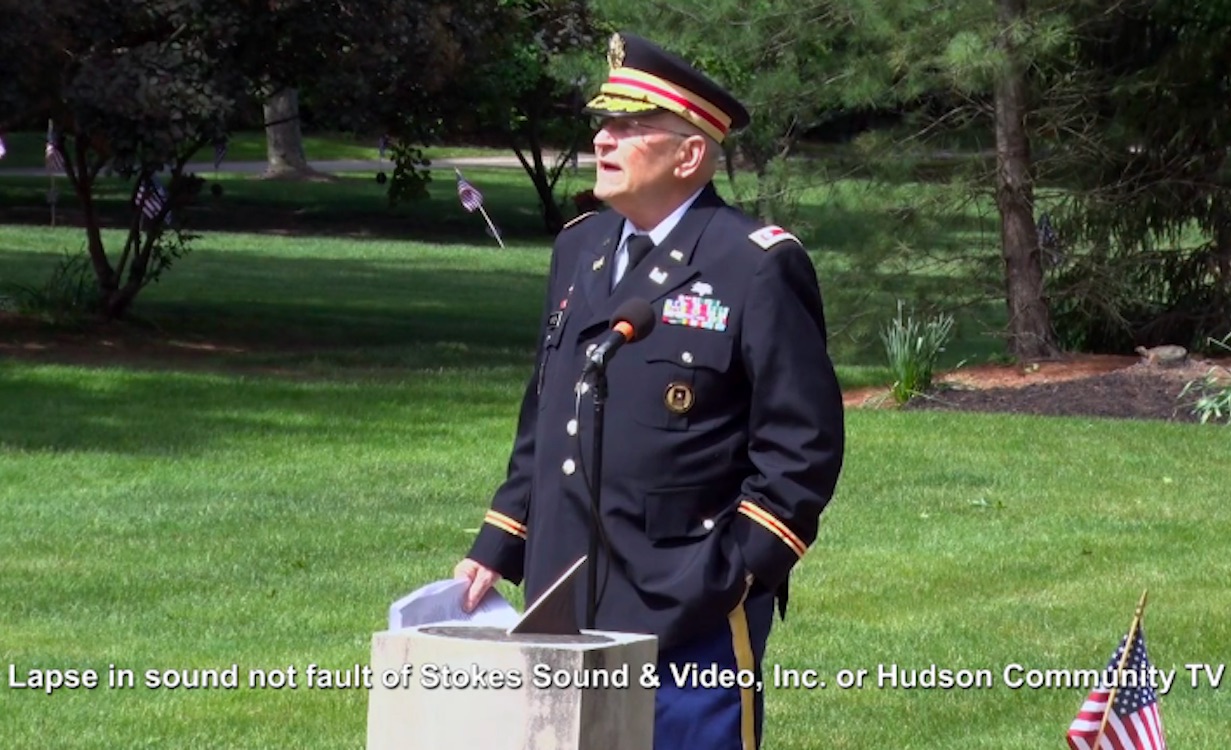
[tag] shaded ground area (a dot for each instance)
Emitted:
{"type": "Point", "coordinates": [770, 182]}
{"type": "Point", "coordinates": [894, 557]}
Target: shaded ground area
{"type": "Point", "coordinates": [1079, 385]}
{"type": "Point", "coordinates": [1091, 385]}
{"type": "Point", "coordinates": [115, 345]}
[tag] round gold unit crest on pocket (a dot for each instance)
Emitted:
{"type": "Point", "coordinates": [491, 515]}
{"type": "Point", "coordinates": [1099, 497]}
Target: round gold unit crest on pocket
{"type": "Point", "coordinates": [679, 397]}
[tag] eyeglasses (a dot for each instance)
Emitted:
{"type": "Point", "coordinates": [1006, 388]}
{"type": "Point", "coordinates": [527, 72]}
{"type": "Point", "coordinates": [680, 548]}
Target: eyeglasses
{"type": "Point", "coordinates": [627, 127]}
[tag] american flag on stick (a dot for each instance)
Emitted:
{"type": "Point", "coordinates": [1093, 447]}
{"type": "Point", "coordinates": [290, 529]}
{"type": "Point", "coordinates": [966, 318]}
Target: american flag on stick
{"type": "Point", "coordinates": [1122, 712]}
{"type": "Point", "coordinates": [469, 195]}
{"type": "Point", "coordinates": [151, 197]}
{"type": "Point", "coordinates": [472, 200]}
{"type": "Point", "coordinates": [53, 158]}
{"type": "Point", "coordinates": [220, 151]}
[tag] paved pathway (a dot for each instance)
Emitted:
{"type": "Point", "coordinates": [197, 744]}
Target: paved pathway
{"type": "Point", "coordinates": [345, 165]}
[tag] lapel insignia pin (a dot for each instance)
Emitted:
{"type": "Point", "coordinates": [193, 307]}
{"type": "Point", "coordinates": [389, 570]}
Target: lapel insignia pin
{"type": "Point", "coordinates": [676, 255]}
{"type": "Point", "coordinates": [598, 263]}
{"type": "Point", "coordinates": [658, 275]}
{"type": "Point", "coordinates": [702, 289]}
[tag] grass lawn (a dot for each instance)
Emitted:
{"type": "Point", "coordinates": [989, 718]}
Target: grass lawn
{"type": "Point", "coordinates": [26, 149]}
{"type": "Point", "coordinates": [261, 506]}
{"type": "Point", "coordinates": [157, 521]}
{"type": "Point", "coordinates": [873, 244]}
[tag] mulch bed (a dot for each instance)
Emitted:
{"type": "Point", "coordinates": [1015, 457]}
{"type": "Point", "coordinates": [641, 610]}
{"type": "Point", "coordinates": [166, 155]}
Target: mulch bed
{"type": "Point", "coordinates": [1143, 391]}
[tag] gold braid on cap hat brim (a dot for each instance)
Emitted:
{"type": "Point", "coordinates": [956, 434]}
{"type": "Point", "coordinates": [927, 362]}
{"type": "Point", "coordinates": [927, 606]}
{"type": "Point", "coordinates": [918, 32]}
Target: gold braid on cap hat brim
{"type": "Point", "coordinates": [637, 86]}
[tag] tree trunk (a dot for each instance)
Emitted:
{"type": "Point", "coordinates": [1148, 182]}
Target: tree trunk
{"type": "Point", "coordinates": [77, 169]}
{"type": "Point", "coordinates": [283, 137]}
{"type": "Point", "coordinates": [540, 175]}
{"type": "Point", "coordinates": [104, 274]}
{"type": "Point", "coordinates": [1030, 334]}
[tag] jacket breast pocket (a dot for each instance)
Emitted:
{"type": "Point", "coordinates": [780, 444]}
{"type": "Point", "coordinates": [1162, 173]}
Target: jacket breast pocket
{"type": "Point", "coordinates": [686, 376]}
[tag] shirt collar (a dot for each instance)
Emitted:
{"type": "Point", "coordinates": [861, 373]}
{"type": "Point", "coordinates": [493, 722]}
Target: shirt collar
{"type": "Point", "coordinates": [660, 232]}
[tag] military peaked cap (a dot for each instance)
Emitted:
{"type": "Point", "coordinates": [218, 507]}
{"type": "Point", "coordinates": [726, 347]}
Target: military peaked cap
{"type": "Point", "coordinates": [645, 78]}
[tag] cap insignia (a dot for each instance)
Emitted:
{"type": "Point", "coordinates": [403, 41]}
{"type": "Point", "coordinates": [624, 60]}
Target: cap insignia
{"type": "Point", "coordinates": [615, 51]}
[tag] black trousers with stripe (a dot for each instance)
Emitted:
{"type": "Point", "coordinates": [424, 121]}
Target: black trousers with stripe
{"type": "Point", "coordinates": [689, 715]}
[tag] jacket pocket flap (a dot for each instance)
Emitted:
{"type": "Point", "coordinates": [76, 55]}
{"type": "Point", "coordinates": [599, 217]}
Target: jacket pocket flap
{"type": "Point", "coordinates": [698, 349]}
{"type": "Point", "coordinates": [680, 513]}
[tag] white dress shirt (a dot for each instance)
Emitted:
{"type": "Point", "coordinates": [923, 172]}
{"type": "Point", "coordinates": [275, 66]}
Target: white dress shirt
{"type": "Point", "coordinates": [657, 234]}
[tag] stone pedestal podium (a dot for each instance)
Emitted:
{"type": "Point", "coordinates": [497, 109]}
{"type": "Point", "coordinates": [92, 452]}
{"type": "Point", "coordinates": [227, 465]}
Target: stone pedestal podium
{"type": "Point", "coordinates": [458, 687]}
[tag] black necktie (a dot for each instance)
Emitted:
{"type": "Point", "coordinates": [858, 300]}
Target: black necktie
{"type": "Point", "coordinates": [639, 246]}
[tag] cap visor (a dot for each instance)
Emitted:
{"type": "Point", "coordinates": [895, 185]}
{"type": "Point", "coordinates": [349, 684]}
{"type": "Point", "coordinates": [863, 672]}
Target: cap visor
{"type": "Point", "coordinates": [606, 105]}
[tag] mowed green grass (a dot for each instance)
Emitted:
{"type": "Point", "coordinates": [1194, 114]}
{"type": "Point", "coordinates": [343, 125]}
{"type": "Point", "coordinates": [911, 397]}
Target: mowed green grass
{"type": "Point", "coordinates": [26, 149]}
{"type": "Point", "coordinates": [873, 243]}
{"type": "Point", "coordinates": [179, 520]}
{"type": "Point", "coordinates": [263, 506]}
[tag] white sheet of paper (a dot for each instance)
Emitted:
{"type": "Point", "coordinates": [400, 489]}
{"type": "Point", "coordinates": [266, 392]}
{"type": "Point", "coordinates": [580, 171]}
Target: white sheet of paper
{"type": "Point", "coordinates": [441, 602]}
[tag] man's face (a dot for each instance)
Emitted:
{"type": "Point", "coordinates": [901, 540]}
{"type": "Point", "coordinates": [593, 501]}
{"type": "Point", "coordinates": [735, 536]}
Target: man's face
{"type": "Point", "coordinates": [636, 157]}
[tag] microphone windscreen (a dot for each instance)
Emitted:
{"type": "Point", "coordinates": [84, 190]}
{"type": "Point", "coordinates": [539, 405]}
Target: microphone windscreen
{"type": "Point", "coordinates": [639, 315]}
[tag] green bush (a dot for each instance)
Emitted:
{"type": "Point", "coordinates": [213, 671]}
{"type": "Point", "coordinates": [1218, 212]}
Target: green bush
{"type": "Point", "coordinates": [912, 349]}
{"type": "Point", "coordinates": [1113, 300]}
{"type": "Point", "coordinates": [67, 296]}
{"type": "Point", "coordinates": [1212, 393]}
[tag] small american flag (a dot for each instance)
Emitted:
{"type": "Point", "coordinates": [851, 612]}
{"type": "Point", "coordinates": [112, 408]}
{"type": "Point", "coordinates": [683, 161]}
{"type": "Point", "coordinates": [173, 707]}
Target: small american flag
{"type": "Point", "coordinates": [53, 158]}
{"type": "Point", "coordinates": [471, 198]}
{"type": "Point", "coordinates": [1133, 721]}
{"type": "Point", "coordinates": [220, 151]}
{"type": "Point", "coordinates": [151, 198]}
{"type": "Point", "coordinates": [1048, 238]}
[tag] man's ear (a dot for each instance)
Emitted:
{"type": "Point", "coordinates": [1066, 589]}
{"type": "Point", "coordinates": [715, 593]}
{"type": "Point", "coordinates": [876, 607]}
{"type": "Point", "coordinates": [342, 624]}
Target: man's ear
{"type": "Point", "coordinates": [690, 157]}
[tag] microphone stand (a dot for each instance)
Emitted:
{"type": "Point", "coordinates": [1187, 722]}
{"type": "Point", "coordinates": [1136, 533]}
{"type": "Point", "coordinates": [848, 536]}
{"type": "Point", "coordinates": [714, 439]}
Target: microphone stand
{"type": "Point", "coordinates": [596, 486]}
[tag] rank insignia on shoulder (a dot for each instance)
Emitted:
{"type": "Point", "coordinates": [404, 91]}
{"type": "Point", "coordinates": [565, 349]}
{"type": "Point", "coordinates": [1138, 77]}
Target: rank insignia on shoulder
{"type": "Point", "coordinates": [578, 219]}
{"type": "Point", "coordinates": [769, 236]}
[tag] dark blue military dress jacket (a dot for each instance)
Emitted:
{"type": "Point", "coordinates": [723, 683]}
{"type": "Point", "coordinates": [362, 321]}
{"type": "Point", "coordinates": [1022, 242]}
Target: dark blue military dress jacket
{"type": "Point", "coordinates": [724, 427]}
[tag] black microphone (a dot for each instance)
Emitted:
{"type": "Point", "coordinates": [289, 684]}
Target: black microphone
{"type": "Point", "coordinates": [632, 321]}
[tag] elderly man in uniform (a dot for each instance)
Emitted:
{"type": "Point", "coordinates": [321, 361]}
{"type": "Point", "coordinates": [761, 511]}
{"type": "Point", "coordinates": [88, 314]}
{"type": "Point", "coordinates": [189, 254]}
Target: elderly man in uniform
{"type": "Point", "coordinates": [724, 428]}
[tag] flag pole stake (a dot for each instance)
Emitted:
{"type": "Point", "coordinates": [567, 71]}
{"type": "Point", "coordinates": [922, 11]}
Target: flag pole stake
{"type": "Point", "coordinates": [491, 226]}
{"type": "Point", "coordinates": [48, 151]}
{"type": "Point", "coordinates": [1128, 646]}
